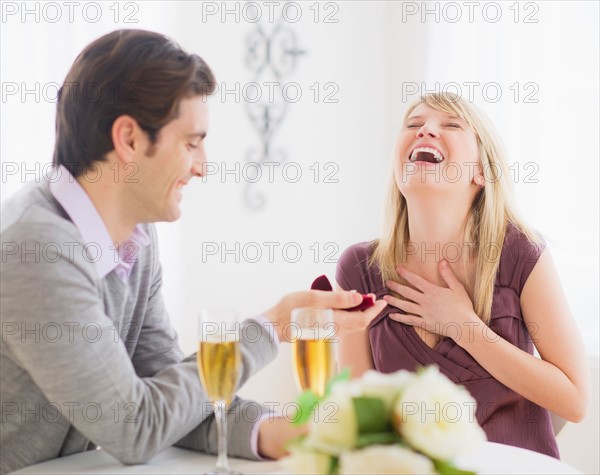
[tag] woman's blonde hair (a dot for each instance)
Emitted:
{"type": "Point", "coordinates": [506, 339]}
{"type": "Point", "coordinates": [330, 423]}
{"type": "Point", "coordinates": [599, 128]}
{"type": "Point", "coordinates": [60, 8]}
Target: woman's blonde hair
{"type": "Point", "coordinates": [486, 223]}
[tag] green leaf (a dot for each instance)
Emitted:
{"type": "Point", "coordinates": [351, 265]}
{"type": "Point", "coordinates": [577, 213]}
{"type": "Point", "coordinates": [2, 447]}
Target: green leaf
{"type": "Point", "coordinates": [343, 375]}
{"type": "Point", "coordinates": [382, 438]}
{"type": "Point", "coordinates": [334, 465]}
{"type": "Point", "coordinates": [420, 369]}
{"type": "Point", "coordinates": [306, 405]}
{"type": "Point", "coordinates": [371, 415]}
{"type": "Point", "coordinates": [444, 467]}
{"type": "Point", "coordinates": [308, 399]}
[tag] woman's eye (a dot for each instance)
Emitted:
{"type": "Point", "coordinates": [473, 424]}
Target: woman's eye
{"type": "Point", "coordinates": [191, 145]}
{"type": "Point", "coordinates": [452, 124]}
{"type": "Point", "coordinates": [410, 126]}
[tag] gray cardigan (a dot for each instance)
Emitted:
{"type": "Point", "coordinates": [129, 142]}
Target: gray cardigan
{"type": "Point", "coordinates": [86, 361]}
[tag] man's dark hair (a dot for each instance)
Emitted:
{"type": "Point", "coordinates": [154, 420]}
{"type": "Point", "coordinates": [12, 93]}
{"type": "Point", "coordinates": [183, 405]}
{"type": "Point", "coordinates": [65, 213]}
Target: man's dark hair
{"type": "Point", "coordinates": [127, 72]}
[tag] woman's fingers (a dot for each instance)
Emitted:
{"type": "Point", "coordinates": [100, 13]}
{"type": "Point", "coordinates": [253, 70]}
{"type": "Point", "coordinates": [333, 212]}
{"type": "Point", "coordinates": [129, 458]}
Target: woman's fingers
{"type": "Point", "coordinates": [419, 282]}
{"type": "Point", "coordinates": [412, 320]}
{"type": "Point", "coordinates": [449, 276]}
{"type": "Point", "coordinates": [405, 291]}
{"type": "Point", "coordinates": [408, 307]}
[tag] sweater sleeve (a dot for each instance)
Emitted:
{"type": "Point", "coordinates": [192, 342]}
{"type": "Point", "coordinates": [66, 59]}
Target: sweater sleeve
{"type": "Point", "coordinates": [85, 366]}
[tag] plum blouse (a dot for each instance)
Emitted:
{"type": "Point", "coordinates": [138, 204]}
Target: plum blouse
{"type": "Point", "coordinates": [505, 416]}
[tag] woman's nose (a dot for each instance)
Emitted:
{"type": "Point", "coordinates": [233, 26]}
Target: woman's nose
{"type": "Point", "coordinates": [427, 130]}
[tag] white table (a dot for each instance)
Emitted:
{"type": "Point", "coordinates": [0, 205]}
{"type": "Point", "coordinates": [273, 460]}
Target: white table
{"type": "Point", "coordinates": [491, 458]}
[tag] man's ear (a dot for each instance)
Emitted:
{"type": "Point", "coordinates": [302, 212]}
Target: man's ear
{"type": "Point", "coordinates": [127, 138]}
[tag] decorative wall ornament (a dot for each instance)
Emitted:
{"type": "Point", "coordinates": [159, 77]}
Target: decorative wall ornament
{"type": "Point", "coordinates": [272, 56]}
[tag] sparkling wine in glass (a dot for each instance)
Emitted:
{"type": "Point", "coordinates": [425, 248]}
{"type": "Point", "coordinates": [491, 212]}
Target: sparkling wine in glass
{"type": "Point", "coordinates": [313, 348]}
{"type": "Point", "coordinates": [219, 364]}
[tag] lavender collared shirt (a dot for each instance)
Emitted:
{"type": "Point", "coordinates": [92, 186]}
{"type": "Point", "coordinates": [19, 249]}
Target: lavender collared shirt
{"type": "Point", "coordinates": [107, 255]}
{"type": "Point", "coordinates": [99, 247]}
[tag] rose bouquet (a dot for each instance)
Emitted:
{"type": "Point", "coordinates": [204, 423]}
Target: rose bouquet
{"type": "Point", "coordinates": [386, 423]}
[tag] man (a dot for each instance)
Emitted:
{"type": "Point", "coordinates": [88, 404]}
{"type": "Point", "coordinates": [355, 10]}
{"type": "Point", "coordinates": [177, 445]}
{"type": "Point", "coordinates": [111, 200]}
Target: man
{"type": "Point", "coordinates": [88, 356]}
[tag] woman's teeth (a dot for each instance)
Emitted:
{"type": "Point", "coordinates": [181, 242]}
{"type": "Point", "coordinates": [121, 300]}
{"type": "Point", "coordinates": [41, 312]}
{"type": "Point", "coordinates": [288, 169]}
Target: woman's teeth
{"type": "Point", "coordinates": [426, 154]}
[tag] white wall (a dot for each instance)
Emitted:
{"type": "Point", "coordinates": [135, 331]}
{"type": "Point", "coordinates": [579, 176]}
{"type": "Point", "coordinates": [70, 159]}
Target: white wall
{"type": "Point", "coordinates": [578, 443]}
{"type": "Point", "coordinates": [313, 217]}
{"type": "Point", "coordinates": [374, 51]}
{"type": "Point", "coordinates": [552, 143]}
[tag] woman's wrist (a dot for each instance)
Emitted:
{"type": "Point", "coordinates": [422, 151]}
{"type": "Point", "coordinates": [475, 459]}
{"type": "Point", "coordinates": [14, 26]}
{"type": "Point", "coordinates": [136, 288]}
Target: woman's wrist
{"type": "Point", "coordinates": [472, 331]}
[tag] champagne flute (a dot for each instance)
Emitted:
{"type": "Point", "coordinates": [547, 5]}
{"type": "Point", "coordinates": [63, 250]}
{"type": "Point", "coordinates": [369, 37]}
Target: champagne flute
{"type": "Point", "coordinates": [313, 350]}
{"type": "Point", "coordinates": [219, 364]}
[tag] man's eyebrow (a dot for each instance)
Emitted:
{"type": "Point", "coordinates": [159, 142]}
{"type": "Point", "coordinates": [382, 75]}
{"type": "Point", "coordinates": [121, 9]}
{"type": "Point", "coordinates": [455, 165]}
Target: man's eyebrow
{"type": "Point", "coordinates": [202, 135]}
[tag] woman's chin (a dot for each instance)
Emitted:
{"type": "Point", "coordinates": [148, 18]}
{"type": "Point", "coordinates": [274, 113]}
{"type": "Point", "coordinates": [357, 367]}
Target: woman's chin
{"type": "Point", "coordinates": [425, 184]}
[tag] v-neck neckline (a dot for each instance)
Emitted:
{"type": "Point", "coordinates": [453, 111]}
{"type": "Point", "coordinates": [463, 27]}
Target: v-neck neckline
{"type": "Point", "coordinates": [436, 347]}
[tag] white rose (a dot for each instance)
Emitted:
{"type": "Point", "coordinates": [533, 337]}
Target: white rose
{"type": "Point", "coordinates": [334, 427]}
{"type": "Point", "coordinates": [384, 459]}
{"type": "Point", "coordinates": [305, 462]}
{"type": "Point", "coordinates": [437, 417]}
{"type": "Point", "coordinates": [386, 387]}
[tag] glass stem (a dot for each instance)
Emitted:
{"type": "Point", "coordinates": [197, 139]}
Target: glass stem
{"type": "Point", "coordinates": [221, 415]}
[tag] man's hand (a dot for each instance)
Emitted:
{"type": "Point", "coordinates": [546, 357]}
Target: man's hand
{"type": "Point", "coordinates": [279, 315]}
{"type": "Point", "coordinates": [273, 435]}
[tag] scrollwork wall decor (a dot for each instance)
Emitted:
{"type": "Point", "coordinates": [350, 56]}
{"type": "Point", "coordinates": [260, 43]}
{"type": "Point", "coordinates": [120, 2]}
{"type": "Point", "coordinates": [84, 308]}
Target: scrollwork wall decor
{"type": "Point", "coordinates": [272, 56]}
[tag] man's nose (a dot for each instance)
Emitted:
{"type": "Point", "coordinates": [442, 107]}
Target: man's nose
{"type": "Point", "coordinates": [199, 164]}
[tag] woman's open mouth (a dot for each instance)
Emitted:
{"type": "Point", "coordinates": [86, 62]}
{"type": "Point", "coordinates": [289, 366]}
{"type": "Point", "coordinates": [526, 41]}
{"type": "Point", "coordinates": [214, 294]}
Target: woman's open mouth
{"type": "Point", "coordinates": [426, 154]}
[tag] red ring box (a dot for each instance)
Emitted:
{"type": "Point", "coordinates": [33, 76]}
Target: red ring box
{"type": "Point", "coordinates": [322, 283]}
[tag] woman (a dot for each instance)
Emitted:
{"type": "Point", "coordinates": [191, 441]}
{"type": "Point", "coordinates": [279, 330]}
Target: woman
{"type": "Point", "coordinates": [469, 286]}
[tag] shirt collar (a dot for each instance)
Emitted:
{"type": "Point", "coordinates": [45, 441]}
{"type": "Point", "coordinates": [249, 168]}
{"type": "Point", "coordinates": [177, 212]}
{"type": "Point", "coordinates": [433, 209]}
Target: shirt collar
{"type": "Point", "coordinates": [99, 247]}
